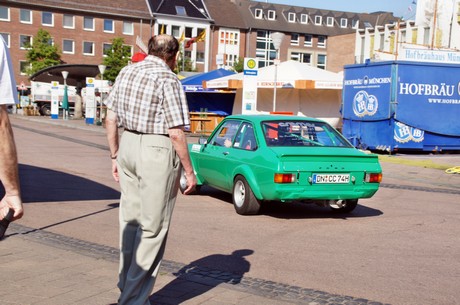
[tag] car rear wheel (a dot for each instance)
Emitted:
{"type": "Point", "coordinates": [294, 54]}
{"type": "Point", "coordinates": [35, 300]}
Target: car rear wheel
{"type": "Point", "coordinates": [343, 206]}
{"type": "Point", "coordinates": [244, 201]}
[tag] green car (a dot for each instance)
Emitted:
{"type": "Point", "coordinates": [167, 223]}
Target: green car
{"type": "Point", "coordinates": [259, 158]}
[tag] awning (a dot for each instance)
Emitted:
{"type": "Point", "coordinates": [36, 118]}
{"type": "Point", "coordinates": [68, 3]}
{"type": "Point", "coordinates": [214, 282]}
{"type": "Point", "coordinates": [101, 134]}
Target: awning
{"type": "Point", "coordinates": [77, 74]}
{"type": "Point", "coordinates": [290, 74]}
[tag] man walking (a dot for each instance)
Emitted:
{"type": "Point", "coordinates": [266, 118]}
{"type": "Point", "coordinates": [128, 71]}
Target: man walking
{"type": "Point", "coordinates": [8, 156]}
{"type": "Point", "coordinates": [148, 101]}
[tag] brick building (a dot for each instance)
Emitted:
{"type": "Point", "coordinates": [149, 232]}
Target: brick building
{"type": "Point", "coordinates": [232, 29]}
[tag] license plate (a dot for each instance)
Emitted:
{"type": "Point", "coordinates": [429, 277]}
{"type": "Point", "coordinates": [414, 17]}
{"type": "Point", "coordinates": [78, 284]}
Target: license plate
{"type": "Point", "coordinates": [330, 178]}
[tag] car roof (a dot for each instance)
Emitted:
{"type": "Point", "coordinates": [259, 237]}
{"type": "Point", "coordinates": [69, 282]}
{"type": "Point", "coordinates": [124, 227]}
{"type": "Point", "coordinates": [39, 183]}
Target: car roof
{"type": "Point", "coordinates": [271, 117]}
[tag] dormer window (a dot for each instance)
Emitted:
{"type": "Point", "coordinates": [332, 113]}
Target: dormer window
{"type": "Point", "coordinates": [330, 21]}
{"type": "Point", "coordinates": [318, 20]}
{"type": "Point", "coordinates": [304, 18]}
{"type": "Point", "coordinates": [271, 15]}
{"type": "Point", "coordinates": [291, 17]}
{"type": "Point", "coordinates": [180, 11]}
{"type": "Point", "coordinates": [259, 14]}
{"type": "Point", "coordinates": [343, 22]}
{"type": "Point", "coordinates": [355, 24]}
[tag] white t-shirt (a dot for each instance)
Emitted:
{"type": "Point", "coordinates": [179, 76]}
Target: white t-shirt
{"type": "Point", "coordinates": [8, 90]}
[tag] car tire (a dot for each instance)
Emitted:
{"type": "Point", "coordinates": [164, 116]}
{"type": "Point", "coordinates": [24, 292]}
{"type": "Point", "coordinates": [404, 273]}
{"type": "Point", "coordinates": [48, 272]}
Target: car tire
{"type": "Point", "coordinates": [183, 184]}
{"type": "Point", "coordinates": [343, 206]}
{"type": "Point", "coordinates": [244, 201]}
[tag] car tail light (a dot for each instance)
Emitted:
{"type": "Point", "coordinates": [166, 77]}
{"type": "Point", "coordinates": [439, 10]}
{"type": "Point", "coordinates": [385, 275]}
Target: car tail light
{"type": "Point", "coordinates": [284, 178]}
{"type": "Point", "coordinates": [373, 178]}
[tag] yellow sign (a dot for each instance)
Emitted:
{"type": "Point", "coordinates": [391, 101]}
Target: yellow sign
{"type": "Point", "coordinates": [251, 63]}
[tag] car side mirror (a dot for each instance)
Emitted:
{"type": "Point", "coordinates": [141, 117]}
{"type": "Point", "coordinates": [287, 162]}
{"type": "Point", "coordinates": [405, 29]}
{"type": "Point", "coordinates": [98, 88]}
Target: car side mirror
{"type": "Point", "coordinates": [203, 140]}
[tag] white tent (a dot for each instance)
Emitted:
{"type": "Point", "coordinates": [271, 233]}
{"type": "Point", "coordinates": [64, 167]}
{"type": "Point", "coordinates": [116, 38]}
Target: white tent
{"type": "Point", "coordinates": [301, 89]}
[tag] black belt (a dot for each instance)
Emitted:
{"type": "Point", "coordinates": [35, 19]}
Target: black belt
{"type": "Point", "coordinates": [144, 133]}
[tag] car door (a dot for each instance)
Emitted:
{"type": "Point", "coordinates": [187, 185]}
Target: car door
{"type": "Point", "coordinates": [215, 164]}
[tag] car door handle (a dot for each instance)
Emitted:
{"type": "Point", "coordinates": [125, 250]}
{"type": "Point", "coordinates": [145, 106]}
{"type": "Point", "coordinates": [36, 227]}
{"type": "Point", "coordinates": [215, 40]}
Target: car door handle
{"type": "Point", "coordinates": [225, 153]}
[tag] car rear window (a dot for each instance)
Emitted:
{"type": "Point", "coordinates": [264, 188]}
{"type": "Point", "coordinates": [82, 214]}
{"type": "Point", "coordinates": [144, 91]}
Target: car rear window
{"type": "Point", "coordinates": [302, 133]}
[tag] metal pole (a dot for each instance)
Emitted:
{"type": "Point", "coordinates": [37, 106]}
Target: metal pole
{"type": "Point", "coordinates": [101, 70]}
{"type": "Point", "coordinates": [277, 39]}
{"type": "Point", "coordinates": [276, 79]}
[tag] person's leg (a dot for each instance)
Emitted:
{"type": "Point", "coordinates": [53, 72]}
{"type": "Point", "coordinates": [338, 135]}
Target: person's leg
{"type": "Point", "coordinates": [158, 172]}
{"type": "Point", "coordinates": [129, 203]}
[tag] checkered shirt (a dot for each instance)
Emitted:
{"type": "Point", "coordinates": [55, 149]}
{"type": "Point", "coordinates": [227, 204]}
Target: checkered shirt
{"type": "Point", "coordinates": [148, 98]}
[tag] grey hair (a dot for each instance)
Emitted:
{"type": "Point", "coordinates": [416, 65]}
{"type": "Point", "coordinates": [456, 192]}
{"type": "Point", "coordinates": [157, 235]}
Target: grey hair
{"type": "Point", "coordinates": [163, 46]}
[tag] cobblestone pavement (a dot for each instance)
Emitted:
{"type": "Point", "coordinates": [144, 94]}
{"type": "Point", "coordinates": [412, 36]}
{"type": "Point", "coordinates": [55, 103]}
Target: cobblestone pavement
{"type": "Point", "coordinates": [40, 267]}
{"type": "Point", "coordinates": [48, 268]}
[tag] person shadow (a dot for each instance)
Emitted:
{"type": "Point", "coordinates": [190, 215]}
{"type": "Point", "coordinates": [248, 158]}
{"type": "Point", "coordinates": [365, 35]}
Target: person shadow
{"type": "Point", "coordinates": [202, 275]}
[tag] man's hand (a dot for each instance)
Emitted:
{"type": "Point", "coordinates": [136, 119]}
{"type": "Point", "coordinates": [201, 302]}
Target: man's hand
{"type": "Point", "coordinates": [115, 170]}
{"type": "Point", "coordinates": [191, 183]}
{"type": "Point", "coordinates": [11, 202]}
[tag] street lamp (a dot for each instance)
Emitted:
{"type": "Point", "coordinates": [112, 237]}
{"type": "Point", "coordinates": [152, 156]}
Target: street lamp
{"type": "Point", "coordinates": [101, 70]}
{"type": "Point", "coordinates": [277, 38]}
{"type": "Point", "coordinates": [65, 99]}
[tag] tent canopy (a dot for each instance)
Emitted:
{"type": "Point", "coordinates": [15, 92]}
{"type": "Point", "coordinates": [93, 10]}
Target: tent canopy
{"type": "Point", "coordinates": [289, 74]}
{"type": "Point", "coordinates": [195, 83]}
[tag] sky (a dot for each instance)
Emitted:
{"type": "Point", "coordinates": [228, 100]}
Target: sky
{"type": "Point", "coordinates": [400, 8]}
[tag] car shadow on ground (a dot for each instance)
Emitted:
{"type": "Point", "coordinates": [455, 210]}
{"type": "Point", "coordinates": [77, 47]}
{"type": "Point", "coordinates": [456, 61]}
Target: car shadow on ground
{"type": "Point", "coordinates": [46, 185]}
{"type": "Point", "coordinates": [202, 275]}
{"type": "Point", "coordinates": [296, 210]}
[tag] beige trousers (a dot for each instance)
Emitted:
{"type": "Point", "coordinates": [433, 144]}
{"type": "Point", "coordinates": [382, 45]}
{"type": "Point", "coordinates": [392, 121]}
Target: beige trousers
{"type": "Point", "coordinates": [149, 170]}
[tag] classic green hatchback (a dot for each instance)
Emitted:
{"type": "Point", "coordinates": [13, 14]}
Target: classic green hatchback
{"type": "Point", "coordinates": [284, 158]}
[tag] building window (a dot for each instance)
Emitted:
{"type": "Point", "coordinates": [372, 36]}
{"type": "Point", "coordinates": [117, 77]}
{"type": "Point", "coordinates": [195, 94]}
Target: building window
{"type": "Point", "coordinates": [229, 45]}
{"type": "Point", "coordinates": [108, 26]}
{"type": "Point", "coordinates": [200, 57]}
{"type": "Point", "coordinates": [321, 63]}
{"type": "Point", "coordinates": [304, 18]}
{"type": "Point", "coordinates": [88, 48]}
{"type": "Point", "coordinates": [4, 13]}
{"type": "Point", "coordinates": [180, 11]}
{"type": "Point", "coordinates": [128, 28]}
{"type": "Point", "coordinates": [355, 24]}
{"type": "Point", "coordinates": [188, 32]}
{"type": "Point", "coordinates": [47, 19]}
{"type": "Point", "coordinates": [68, 46]}
{"type": "Point", "coordinates": [228, 37]}
{"type": "Point", "coordinates": [271, 15]}
{"type": "Point", "coordinates": [88, 23]}
{"type": "Point", "coordinates": [426, 35]}
{"type": "Point", "coordinates": [25, 16]}
{"type": "Point", "coordinates": [295, 38]}
{"type": "Point", "coordinates": [265, 51]}
{"type": "Point", "coordinates": [343, 22]}
{"type": "Point", "coordinates": [403, 36]}
{"type": "Point", "coordinates": [106, 48]}
{"type": "Point", "coordinates": [291, 17]}
{"type": "Point", "coordinates": [301, 57]}
{"type": "Point", "coordinates": [175, 31]}
{"type": "Point", "coordinates": [330, 21]}
{"type": "Point", "coordinates": [23, 67]}
{"type": "Point", "coordinates": [321, 41]}
{"type": "Point", "coordinates": [318, 20]}
{"type": "Point", "coordinates": [308, 41]}
{"type": "Point", "coordinates": [259, 14]}
{"type": "Point", "coordinates": [231, 59]}
{"type": "Point", "coordinates": [68, 21]}
{"type": "Point", "coordinates": [25, 41]}
{"type": "Point", "coordinates": [6, 37]}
